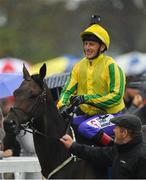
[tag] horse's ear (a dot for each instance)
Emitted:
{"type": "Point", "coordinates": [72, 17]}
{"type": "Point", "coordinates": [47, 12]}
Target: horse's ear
{"type": "Point", "coordinates": [43, 71]}
{"type": "Point", "coordinates": [26, 74]}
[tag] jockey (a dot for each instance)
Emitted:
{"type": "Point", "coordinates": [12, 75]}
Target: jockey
{"type": "Point", "coordinates": [96, 84]}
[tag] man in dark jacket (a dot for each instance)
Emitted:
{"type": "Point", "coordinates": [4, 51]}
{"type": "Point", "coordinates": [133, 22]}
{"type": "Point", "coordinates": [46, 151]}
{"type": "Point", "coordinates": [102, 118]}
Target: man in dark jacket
{"type": "Point", "coordinates": [128, 155]}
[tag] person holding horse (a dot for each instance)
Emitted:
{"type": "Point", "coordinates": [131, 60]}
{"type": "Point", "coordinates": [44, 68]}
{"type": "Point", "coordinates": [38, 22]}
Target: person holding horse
{"type": "Point", "coordinates": [128, 154]}
{"type": "Point", "coordinates": [96, 85]}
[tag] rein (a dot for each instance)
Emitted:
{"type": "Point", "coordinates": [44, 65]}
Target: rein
{"type": "Point", "coordinates": [35, 131]}
{"type": "Point", "coordinates": [29, 125]}
{"type": "Point", "coordinates": [72, 157]}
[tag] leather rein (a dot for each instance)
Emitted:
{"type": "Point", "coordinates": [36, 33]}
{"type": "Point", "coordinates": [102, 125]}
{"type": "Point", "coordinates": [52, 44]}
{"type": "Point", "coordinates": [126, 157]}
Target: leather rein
{"type": "Point", "coordinates": [28, 126]}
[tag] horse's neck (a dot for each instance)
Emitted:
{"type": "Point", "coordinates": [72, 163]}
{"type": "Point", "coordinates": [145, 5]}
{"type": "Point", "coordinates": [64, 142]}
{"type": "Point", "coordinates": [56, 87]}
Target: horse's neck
{"type": "Point", "coordinates": [50, 151]}
{"type": "Point", "coordinates": [54, 119]}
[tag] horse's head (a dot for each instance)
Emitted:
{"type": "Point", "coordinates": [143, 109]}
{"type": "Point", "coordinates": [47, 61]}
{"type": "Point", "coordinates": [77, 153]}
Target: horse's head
{"type": "Point", "coordinates": [29, 100]}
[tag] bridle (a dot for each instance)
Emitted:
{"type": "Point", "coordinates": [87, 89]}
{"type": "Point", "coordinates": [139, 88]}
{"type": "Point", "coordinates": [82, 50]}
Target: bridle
{"type": "Point", "coordinates": [31, 115]}
{"type": "Point", "coordinates": [41, 99]}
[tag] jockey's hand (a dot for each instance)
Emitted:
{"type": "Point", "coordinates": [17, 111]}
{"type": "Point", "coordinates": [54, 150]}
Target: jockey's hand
{"type": "Point", "coordinates": [64, 111]}
{"type": "Point", "coordinates": [76, 100]}
{"type": "Point", "coordinates": [67, 141]}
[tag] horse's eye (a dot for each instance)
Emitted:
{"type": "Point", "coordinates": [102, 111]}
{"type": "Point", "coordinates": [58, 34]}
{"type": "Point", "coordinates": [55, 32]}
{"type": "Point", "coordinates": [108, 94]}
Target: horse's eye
{"type": "Point", "coordinates": [33, 96]}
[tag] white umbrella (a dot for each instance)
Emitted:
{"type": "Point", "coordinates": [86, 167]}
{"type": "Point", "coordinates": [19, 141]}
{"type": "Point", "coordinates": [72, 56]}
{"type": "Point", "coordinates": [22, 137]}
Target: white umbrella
{"type": "Point", "coordinates": [132, 63]}
{"type": "Point", "coordinates": [12, 65]}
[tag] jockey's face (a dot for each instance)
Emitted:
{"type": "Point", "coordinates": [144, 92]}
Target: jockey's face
{"type": "Point", "coordinates": [92, 48]}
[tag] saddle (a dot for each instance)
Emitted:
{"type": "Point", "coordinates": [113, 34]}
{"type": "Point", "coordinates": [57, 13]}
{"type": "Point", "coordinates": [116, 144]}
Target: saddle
{"type": "Point", "coordinates": [96, 130]}
{"type": "Point", "coordinates": [91, 130]}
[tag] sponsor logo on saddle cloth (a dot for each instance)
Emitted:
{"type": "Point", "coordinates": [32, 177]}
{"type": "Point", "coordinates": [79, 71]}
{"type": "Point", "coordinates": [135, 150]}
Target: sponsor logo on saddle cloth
{"type": "Point", "coordinates": [91, 126]}
{"type": "Point", "coordinates": [100, 122]}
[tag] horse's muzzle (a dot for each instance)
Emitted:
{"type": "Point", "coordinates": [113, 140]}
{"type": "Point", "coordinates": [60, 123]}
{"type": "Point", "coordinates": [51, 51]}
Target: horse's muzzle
{"type": "Point", "coordinates": [11, 127]}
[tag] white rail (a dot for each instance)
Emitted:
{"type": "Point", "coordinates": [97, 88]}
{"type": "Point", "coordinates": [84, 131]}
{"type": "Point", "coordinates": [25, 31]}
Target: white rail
{"type": "Point", "coordinates": [19, 164]}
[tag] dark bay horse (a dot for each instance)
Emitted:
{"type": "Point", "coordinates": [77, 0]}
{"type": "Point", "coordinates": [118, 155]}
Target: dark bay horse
{"type": "Point", "coordinates": [34, 108]}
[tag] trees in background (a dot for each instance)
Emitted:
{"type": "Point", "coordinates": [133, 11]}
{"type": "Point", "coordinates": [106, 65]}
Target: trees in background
{"type": "Point", "coordinates": [36, 30]}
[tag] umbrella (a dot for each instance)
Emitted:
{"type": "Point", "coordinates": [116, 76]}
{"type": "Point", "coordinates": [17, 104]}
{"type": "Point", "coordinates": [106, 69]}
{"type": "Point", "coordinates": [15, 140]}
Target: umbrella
{"type": "Point", "coordinates": [11, 65]}
{"type": "Point", "coordinates": [57, 65]}
{"type": "Point", "coordinates": [8, 83]}
{"type": "Point", "coordinates": [133, 63]}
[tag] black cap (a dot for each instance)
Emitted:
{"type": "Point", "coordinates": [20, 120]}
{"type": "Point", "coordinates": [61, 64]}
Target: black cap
{"type": "Point", "coordinates": [128, 121]}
